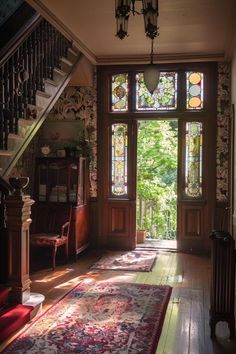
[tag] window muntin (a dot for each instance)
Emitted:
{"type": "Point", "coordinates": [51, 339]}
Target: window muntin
{"type": "Point", "coordinates": [193, 159]}
{"type": "Point", "coordinates": [119, 92]}
{"type": "Point", "coordinates": [164, 97]}
{"type": "Point", "coordinates": [194, 90]}
{"type": "Point", "coordinates": [119, 159]}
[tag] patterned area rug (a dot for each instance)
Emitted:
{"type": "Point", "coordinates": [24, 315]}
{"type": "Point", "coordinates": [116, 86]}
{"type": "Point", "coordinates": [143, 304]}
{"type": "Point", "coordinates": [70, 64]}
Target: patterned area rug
{"type": "Point", "coordinates": [140, 261]}
{"type": "Point", "coordinates": [99, 318]}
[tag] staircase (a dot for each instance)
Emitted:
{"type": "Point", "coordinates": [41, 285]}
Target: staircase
{"type": "Point", "coordinates": [12, 317]}
{"type": "Point", "coordinates": [32, 75]}
{"type": "Point", "coordinates": [34, 70]}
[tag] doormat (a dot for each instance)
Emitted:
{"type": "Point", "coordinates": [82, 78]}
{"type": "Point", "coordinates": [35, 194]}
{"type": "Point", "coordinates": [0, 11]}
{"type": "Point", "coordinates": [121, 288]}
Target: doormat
{"type": "Point", "coordinates": [139, 261]}
{"type": "Point", "coordinates": [98, 318]}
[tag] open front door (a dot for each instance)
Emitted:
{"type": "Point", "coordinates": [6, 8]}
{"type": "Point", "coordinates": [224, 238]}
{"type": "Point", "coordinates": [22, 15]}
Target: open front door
{"type": "Point", "coordinates": [186, 92]}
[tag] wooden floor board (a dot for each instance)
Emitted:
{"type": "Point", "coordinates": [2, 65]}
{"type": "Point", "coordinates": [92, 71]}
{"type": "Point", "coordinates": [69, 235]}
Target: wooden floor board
{"type": "Point", "coordinates": [186, 326]}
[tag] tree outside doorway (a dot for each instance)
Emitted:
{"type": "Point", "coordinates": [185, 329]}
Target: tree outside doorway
{"type": "Point", "coordinates": [157, 153]}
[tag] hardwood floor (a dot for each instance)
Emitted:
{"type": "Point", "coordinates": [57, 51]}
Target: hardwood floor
{"type": "Point", "coordinates": [186, 329]}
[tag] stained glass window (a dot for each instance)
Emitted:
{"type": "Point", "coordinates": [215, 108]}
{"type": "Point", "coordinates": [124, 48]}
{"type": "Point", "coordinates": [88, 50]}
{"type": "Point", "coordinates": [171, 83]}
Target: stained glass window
{"type": "Point", "coordinates": [119, 93]}
{"type": "Point", "coordinates": [193, 159]}
{"type": "Point", "coordinates": [163, 98]}
{"type": "Point", "coordinates": [119, 159]}
{"type": "Point", "coordinates": [194, 87]}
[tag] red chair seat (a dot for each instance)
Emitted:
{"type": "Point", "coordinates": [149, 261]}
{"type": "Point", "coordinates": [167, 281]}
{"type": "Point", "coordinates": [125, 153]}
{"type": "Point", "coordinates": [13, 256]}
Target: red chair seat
{"type": "Point", "coordinates": [45, 239]}
{"type": "Point", "coordinates": [52, 240]}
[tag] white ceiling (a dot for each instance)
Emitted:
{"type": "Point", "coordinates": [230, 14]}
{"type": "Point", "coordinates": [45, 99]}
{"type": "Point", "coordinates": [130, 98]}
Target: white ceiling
{"type": "Point", "coordinates": [189, 29]}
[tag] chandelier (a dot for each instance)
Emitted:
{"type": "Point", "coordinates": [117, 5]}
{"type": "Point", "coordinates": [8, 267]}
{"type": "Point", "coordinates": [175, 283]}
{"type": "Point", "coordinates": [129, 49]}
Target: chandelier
{"type": "Point", "coordinates": [150, 15]}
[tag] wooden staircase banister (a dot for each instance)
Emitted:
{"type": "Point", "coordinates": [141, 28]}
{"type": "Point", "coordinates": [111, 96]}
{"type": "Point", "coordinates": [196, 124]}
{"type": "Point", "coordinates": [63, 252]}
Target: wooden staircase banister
{"type": "Point", "coordinates": [28, 83]}
{"type": "Point", "coordinates": [31, 20]}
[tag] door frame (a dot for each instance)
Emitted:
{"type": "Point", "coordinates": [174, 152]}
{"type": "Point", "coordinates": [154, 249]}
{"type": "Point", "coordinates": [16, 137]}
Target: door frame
{"type": "Point", "coordinates": [117, 216]}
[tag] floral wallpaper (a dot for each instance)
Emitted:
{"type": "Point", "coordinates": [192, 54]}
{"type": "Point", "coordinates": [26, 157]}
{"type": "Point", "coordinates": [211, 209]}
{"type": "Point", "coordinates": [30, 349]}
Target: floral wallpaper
{"type": "Point", "coordinates": [79, 105]}
{"type": "Point", "coordinates": [76, 105]}
{"type": "Point", "coordinates": [223, 136]}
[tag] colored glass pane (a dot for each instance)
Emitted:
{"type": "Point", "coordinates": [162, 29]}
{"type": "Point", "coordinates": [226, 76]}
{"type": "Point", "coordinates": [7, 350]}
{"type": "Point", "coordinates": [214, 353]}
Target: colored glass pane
{"type": "Point", "coordinates": [119, 159]}
{"type": "Point", "coordinates": [194, 87]}
{"type": "Point", "coordinates": [193, 159]}
{"type": "Point", "coordinates": [163, 98]}
{"type": "Point", "coordinates": [119, 93]}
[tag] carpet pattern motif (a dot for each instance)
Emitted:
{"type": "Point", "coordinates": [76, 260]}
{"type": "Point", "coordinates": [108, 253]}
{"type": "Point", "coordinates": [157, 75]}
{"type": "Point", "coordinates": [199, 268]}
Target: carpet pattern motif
{"type": "Point", "coordinates": [140, 261]}
{"type": "Point", "coordinates": [99, 318]}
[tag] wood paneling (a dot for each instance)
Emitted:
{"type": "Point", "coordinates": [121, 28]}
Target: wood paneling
{"type": "Point", "coordinates": [118, 220]}
{"type": "Point", "coordinates": [193, 223]}
{"type": "Point", "coordinates": [120, 214]}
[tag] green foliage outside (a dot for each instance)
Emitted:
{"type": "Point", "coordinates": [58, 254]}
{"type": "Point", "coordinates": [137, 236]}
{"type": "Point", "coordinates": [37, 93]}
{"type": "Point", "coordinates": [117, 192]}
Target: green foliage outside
{"type": "Point", "coordinates": [157, 178]}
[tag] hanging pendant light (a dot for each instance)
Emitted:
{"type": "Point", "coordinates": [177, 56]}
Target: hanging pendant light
{"type": "Point", "coordinates": [150, 12]}
{"type": "Point", "coordinates": [151, 74]}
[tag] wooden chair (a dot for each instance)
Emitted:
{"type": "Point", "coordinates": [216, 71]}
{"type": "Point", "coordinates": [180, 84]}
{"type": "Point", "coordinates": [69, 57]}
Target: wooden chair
{"type": "Point", "coordinates": [53, 239]}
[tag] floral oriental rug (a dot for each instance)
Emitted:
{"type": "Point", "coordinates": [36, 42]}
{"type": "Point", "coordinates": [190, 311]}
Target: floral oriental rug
{"type": "Point", "coordinates": [99, 318]}
{"type": "Point", "coordinates": [140, 261]}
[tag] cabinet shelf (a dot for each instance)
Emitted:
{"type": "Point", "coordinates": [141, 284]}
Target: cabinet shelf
{"type": "Point", "coordinates": [61, 185]}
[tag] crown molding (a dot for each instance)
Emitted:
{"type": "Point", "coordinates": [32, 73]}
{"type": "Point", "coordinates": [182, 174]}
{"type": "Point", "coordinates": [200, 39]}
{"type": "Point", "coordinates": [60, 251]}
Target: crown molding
{"type": "Point", "coordinates": [60, 26]}
{"type": "Point", "coordinates": [160, 58]}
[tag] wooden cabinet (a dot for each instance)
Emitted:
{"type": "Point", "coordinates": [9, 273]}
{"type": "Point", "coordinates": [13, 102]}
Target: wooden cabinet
{"type": "Point", "coordinates": [61, 187]}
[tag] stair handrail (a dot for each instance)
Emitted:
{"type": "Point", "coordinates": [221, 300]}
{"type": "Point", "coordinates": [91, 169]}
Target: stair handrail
{"type": "Point", "coordinates": [19, 37]}
{"type": "Point", "coordinates": [23, 71]}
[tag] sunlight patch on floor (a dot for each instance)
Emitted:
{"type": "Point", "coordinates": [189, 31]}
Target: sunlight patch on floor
{"type": "Point", "coordinates": [53, 276]}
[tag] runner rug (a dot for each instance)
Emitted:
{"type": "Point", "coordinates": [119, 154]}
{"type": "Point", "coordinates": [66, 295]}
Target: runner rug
{"type": "Point", "coordinates": [99, 318]}
{"type": "Point", "coordinates": [140, 261]}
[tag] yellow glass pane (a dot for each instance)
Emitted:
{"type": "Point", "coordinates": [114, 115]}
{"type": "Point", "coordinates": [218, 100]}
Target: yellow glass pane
{"type": "Point", "coordinates": [194, 102]}
{"type": "Point", "coordinates": [194, 78]}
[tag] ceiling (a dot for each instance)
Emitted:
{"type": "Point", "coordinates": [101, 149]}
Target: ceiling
{"type": "Point", "coordinates": [190, 30]}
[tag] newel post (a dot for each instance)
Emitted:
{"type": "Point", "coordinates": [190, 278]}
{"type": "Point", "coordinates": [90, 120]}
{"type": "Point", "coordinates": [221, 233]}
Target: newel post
{"type": "Point", "coordinates": [18, 210]}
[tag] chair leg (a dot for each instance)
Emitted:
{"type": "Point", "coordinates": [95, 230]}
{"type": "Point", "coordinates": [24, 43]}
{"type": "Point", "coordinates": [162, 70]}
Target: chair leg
{"type": "Point", "coordinates": [54, 252]}
{"type": "Point", "coordinates": [67, 253]}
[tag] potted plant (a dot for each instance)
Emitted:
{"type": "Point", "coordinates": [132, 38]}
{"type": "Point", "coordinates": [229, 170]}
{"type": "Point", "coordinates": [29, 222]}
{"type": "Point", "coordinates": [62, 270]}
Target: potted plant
{"type": "Point", "coordinates": [71, 148]}
{"type": "Point", "coordinates": [141, 235]}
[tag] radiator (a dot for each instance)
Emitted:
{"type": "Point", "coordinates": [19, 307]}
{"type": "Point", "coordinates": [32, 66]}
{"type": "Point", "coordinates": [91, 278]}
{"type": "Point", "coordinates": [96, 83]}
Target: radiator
{"type": "Point", "coordinates": [222, 293]}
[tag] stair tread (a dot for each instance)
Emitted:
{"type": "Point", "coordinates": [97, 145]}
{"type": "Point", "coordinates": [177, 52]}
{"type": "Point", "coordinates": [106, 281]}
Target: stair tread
{"type": "Point", "coordinates": [33, 106]}
{"type": "Point", "coordinates": [23, 121]}
{"type": "Point", "coordinates": [13, 318]}
{"type": "Point", "coordinates": [15, 136]}
{"type": "Point", "coordinates": [51, 82]}
{"type": "Point", "coordinates": [6, 153]}
{"type": "Point", "coordinates": [73, 51]}
{"type": "Point", "coordinates": [43, 94]}
{"type": "Point", "coordinates": [68, 62]}
{"type": "Point", "coordinates": [59, 71]}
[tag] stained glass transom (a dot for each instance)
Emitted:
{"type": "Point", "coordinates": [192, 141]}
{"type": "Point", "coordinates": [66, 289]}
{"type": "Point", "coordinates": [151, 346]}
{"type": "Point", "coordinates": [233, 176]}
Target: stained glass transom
{"type": "Point", "coordinates": [163, 98]}
{"type": "Point", "coordinates": [119, 92]}
{"type": "Point", "coordinates": [194, 87]}
{"type": "Point", "coordinates": [119, 159]}
{"type": "Point", "coordinates": [193, 159]}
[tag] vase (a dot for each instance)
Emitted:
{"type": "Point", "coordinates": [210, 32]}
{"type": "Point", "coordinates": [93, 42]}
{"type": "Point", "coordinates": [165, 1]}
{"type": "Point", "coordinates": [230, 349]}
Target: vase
{"type": "Point", "coordinates": [18, 184]}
